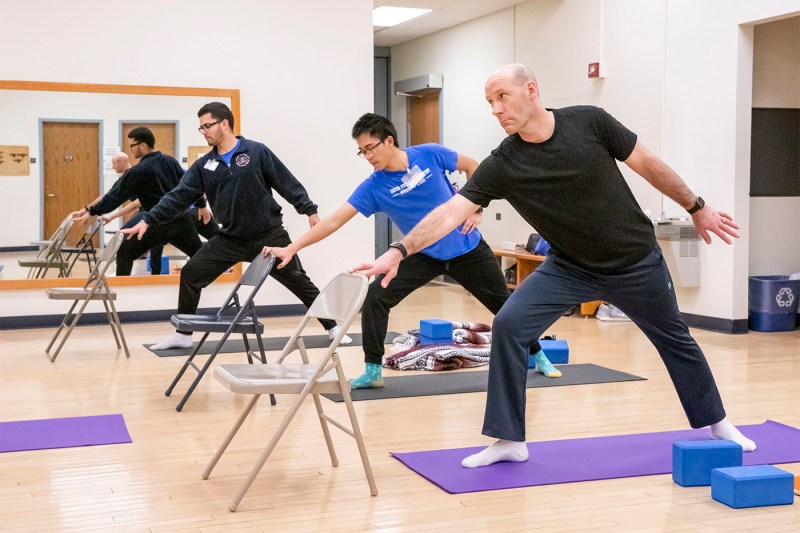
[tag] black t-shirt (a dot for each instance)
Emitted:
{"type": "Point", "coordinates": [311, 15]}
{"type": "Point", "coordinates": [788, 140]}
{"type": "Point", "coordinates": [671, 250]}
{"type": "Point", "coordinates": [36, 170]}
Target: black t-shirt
{"type": "Point", "coordinates": [571, 190]}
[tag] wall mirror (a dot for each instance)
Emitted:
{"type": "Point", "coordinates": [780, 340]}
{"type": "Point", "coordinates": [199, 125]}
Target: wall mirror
{"type": "Point", "coordinates": [56, 146]}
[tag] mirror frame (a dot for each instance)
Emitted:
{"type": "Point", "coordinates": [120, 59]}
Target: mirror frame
{"type": "Point", "coordinates": [167, 279]}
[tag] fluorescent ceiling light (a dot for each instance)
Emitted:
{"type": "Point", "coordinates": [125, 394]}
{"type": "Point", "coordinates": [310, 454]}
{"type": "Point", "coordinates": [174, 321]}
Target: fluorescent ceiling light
{"type": "Point", "coordinates": [385, 16]}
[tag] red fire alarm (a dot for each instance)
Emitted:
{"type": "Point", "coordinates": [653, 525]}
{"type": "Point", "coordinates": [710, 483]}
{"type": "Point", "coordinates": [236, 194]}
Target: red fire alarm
{"type": "Point", "coordinates": [594, 70]}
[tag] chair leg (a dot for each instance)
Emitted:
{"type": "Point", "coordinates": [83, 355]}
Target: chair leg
{"type": "Point", "coordinates": [325, 430]}
{"type": "Point", "coordinates": [73, 323]}
{"type": "Point", "coordinates": [362, 449]}
{"type": "Point", "coordinates": [186, 364]}
{"type": "Point", "coordinates": [119, 328]}
{"type": "Point", "coordinates": [67, 316]}
{"type": "Point", "coordinates": [232, 433]}
{"type": "Point", "coordinates": [270, 447]}
{"type": "Point", "coordinates": [247, 348]}
{"type": "Point", "coordinates": [263, 356]}
{"type": "Point", "coordinates": [112, 324]}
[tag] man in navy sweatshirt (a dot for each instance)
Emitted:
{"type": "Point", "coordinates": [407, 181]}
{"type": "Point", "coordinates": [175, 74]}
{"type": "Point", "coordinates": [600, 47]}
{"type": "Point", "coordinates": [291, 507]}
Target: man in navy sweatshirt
{"type": "Point", "coordinates": [238, 177]}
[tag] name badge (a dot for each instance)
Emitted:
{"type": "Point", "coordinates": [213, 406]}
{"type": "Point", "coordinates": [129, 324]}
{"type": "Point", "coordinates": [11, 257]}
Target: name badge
{"type": "Point", "coordinates": [211, 164]}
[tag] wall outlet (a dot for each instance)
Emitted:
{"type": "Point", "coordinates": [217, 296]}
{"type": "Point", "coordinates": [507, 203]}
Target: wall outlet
{"type": "Point", "coordinates": [497, 216]}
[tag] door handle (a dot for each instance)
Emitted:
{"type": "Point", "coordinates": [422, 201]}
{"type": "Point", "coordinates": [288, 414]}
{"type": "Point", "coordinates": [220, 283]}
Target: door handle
{"type": "Point", "coordinates": [51, 195]}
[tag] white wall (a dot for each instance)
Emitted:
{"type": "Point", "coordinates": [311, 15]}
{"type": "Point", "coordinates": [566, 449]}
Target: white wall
{"type": "Point", "coordinates": [304, 69]}
{"type": "Point", "coordinates": [707, 115]}
{"type": "Point", "coordinates": [679, 73]}
{"type": "Point", "coordinates": [774, 246]}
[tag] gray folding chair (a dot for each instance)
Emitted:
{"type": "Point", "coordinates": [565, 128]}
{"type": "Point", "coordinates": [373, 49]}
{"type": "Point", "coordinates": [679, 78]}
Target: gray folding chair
{"type": "Point", "coordinates": [340, 300]}
{"type": "Point", "coordinates": [84, 247]}
{"type": "Point", "coordinates": [232, 317]}
{"type": "Point", "coordinates": [95, 289]}
{"type": "Point", "coordinates": [50, 253]}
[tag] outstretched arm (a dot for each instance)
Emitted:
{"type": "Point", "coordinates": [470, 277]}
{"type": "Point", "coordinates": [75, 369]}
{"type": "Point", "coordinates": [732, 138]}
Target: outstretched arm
{"type": "Point", "coordinates": [318, 231]}
{"type": "Point", "coordinates": [467, 165]}
{"type": "Point", "coordinates": [129, 208]}
{"type": "Point", "coordinates": [666, 180]}
{"type": "Point", "coordinates": [430, 229]}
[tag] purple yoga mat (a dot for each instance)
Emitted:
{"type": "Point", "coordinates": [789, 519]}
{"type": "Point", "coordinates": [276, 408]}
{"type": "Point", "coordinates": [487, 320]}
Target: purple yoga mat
{"type": "Point", "coordinates": [62, 433]}
{"type": "Point", "coordinates": [567, 461]}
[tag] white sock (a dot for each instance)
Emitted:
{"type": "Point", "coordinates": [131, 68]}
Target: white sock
{"type": "Point", "coordinates": [724, 430]}
{"type": "Point", "coordinates": [502, 450]}
{"type": "Point", "coordinates": [175, 340]}
{"type": "Point", "coordinates": [335, 331]}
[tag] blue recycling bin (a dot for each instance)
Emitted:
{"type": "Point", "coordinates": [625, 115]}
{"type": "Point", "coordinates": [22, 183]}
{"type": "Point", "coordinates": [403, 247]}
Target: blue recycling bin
{"type": "Point", "coordinates": [772, 303]}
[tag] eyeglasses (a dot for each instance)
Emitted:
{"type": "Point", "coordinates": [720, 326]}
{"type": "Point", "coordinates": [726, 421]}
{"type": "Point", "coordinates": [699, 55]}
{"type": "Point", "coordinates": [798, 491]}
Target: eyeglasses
{"type": "Point", "coordinates": [369, 150]}
{"type": "Point", "coordinates": [135, 144]}
{"type": "Point", "coordinates": [207, 126]}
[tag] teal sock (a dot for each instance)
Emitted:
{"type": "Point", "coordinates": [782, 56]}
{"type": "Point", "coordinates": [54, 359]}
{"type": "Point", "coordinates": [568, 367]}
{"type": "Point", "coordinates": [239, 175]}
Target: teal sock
{"type": "Point", "coordinates": [544, 366]}
{"type": "Point", "coordinates": [372, 378]}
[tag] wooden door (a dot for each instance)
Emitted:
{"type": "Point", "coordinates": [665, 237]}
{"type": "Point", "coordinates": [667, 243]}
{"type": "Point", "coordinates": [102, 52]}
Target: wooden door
{"type": "Point", "coordinates": [423, 117]}
{"type": "Point", "coordinates": [71, 159]}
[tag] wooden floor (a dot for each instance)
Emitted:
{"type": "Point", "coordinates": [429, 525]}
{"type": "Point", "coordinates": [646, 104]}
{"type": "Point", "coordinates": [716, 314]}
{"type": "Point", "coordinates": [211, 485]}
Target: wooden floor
{"type": "Point", "coordinates": [154, 483]}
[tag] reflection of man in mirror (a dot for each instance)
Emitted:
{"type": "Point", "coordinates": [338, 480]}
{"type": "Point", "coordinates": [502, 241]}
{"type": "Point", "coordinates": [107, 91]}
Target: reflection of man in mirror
{"type": "Point", "coordinates": [120, 162]}
{"type": "Point", "coordinates": [154, 176]}
{"type": "Point", "coordinates": [238, 176]}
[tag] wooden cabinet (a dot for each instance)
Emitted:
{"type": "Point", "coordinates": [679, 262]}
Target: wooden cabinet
{"type": "Point", "coordinates": [527, 263]}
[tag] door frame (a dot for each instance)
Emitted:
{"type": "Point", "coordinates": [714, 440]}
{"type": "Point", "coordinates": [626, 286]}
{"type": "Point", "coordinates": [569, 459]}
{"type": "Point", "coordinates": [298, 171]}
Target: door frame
{"type": "Point", "coordinates": [41, 166]}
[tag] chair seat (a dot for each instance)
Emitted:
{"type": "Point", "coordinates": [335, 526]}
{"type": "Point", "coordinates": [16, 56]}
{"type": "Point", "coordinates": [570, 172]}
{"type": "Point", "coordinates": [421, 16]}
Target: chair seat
{"type": "Point", "coordinates": [215, 324]}
{"type": "Point", "coordinates": [41, 263]}
{"type": "Point", "coordinates": [274, 379]}
{"type": "Point", "coordinates": [77, 293]}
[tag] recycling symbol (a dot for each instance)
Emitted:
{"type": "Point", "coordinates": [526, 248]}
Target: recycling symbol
{"type": "Point", "coordinates": [784, 298]}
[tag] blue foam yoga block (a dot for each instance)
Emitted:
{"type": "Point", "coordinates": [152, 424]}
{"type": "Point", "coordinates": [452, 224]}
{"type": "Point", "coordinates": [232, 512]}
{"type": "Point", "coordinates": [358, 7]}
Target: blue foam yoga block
{"type": "Point", "coordinates": [435, 328]}
{"type": "Point", "coordinates": [752, 486]}
{"type": "Point", "coordinates": [423, 340]}
{"type": "Point", "coordinates": [693, 460]}
{"type": "Point", "coordinates": [556, 351]}
{"type": "Point", "coordinates": [164, 264]}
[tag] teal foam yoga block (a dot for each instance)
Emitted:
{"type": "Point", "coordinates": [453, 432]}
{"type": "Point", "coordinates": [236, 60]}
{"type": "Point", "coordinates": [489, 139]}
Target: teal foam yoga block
{"type": "Point", "coordinates": [752, 486]}
{"type": "Point", "coordinates": [693, 460]}
{"type": "Point", "coordinates": [435, 328]}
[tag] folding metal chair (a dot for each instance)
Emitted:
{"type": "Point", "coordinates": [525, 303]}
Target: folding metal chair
{"type": "Point", "coordinates": [84, 246]}
{"type": "Point", "coordinates": [232, 317]}
{"type": "Point", "coordinates": [96, 288]}
{"type": "Point", "coordinates": [340, 300]}
{"type": "Point", "coordinates": [50, 253]}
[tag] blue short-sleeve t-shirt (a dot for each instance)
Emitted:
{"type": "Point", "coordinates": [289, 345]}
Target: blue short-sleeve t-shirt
{"type": "Point", "coordinates": [406, 196]}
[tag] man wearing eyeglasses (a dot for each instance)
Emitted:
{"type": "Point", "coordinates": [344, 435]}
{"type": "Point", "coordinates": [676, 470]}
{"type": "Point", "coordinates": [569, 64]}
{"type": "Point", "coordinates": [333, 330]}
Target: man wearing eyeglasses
{"type": "Point", "coordinates": [154, 176]}
{"type": "Point", "coordinates": [407, 185]}
{"type": "Point", "coordinates": [238, 176]}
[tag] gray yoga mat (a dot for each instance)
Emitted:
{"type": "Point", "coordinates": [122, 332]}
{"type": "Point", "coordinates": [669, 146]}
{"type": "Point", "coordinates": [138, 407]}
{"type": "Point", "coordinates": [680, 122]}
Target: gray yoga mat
{"type": "Point", "coordinates": [453, 382]}
{"type": "Point", "coordinates": [234, 345]}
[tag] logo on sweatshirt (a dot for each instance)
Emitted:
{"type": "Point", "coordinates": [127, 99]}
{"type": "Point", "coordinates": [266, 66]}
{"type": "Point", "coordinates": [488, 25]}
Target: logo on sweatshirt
{"type": "Point", "coordinates": [242, 160]}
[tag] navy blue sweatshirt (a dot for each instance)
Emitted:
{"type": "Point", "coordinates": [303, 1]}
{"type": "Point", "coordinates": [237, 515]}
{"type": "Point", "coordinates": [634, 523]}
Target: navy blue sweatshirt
{"type": "Point", "coordinates": [240, 194]}
{"type": "Point", "coordinates": [154, 176]}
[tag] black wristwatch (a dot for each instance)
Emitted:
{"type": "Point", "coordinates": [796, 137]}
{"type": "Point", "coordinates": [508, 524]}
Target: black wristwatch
{"type": "Point", "coordinates": [397, 245]}
{"type": "Point", "coordinates": [698, 205]}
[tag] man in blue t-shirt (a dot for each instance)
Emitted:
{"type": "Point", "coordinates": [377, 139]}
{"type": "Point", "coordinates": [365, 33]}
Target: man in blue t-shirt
{"type": "Point", "coordinates": [407, 185]}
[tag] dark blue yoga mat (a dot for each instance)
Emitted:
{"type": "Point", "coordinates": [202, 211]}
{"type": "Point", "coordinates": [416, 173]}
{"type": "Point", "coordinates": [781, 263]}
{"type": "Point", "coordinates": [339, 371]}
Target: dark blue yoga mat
{"type": "Point", "coordinates": [567, 461]}
{"type": "Point", "coordinates": [63, 433]}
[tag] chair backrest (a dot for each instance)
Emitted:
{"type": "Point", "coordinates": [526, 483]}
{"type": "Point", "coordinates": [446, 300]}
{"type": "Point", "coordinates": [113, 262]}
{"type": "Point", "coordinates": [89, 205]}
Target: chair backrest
{"type": "Point", "coordinates": [91, 229]}
{"type": "Point", "coordinates": [56, 240]}
{"type": "Point", "coordinates": [341, 298]}
{"type": "Point", "coordinates": [254, 276]}
{"type": "Point", "coordinates": [105, 257]}
{"type": "Point", "coordinates": [258, 270]}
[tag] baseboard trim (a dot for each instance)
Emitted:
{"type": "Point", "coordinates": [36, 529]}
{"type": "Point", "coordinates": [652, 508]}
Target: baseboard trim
{"type": "Point", "coordinates": [720, 325]}
{"type": "Point", "coordinates": [157, 315]}
{"type": "Point", "coordinates": [18, 248]}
